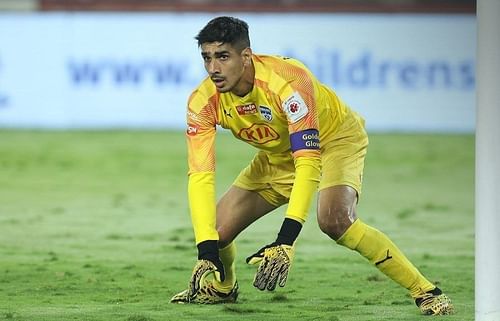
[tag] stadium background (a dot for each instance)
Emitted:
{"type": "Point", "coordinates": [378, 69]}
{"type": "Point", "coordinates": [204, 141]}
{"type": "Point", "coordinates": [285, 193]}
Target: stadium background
{"type": "Point", "coordinates": [94, 222]}
{"type": "Point", "coordinates": [404, 65]}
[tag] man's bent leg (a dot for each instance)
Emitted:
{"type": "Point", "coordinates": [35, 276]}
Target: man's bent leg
{"type": "Point", "coordinates": [236, 210]}
{"type": "Point", "coordinates": [227, 256]}
{"type": "Point", "coordinates": [388, 258]}
{"type": "Point", "coordinates": [337, 218]}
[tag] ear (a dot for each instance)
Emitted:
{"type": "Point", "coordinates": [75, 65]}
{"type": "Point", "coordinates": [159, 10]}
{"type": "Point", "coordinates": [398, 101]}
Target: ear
{"type": "Point", "coordinates": [246, 54]}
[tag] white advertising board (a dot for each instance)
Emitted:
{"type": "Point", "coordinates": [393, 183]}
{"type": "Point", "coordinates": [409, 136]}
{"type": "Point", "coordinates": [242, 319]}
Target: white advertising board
{"type": "Point", "coordinates": [102, 70]}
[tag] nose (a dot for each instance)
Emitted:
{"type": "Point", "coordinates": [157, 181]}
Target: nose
{"type": "Point", "coordinates": [213, 66]}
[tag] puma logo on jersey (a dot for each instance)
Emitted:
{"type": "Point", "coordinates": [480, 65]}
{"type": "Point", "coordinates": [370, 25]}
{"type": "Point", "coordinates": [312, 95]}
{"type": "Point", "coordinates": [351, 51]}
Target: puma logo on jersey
{"type": "Point", "coordinates": [228, 112]}
{"type": "Point", "coordinates": [387, 257]}
{"type": "Point", "coordinates": [258, 133]}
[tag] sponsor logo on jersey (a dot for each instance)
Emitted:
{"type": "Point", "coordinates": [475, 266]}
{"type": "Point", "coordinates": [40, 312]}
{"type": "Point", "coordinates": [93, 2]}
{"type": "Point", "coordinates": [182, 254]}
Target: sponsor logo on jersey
{"type": "Point", "coordinates": [258, 133]}
{"type": "Point", "coordinates": [192, 115]}
{"type": "Point", "coordinates": [192, 130]}
{"type": "Point", "coordinates": [305, 139]}
{"type": "Point", "coordinates": [266, 113]}
{"type": "Point", "coordinates": [248, 109]}
{"type": "Point", "coordinates": [295, 107]}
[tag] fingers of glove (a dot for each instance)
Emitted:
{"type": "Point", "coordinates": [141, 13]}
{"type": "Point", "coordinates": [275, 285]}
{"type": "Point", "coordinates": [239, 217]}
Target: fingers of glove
{"type": "Point", "coordinates": [259, 280]}
{"type": "Point", "coordinates": [200, 272]}
{"type": "Point", "coordinates": [277, 271]}
{"type": "Point", "coordinates": [265, 267]}
{"type": "Point", "coordinates": [272, 280]}
{"type": "Point", "coordinates": [277, 274]}
{"type": "Point", "coordinates": [283, 276]}
{"type": "Point", "coordinates": [274, 267]}
{"type": "Point", "coordinates": [262, 275]}
{"type": "Point", "coordinates": [285, 267]}
{"type": "Point", "coordinates": [266, 275]}
{"type": "Point", "coordinates": [196, 281]}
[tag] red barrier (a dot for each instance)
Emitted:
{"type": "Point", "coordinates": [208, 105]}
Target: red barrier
{"type": "Point", "coordinates": [275, 6]}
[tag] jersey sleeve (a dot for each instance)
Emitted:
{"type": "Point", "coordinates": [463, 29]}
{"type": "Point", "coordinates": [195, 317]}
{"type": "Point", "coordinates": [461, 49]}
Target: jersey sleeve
{"type": "Point", "coordinates": [200, 136]}
{"type": "Point", "coordinates": [298, 102]}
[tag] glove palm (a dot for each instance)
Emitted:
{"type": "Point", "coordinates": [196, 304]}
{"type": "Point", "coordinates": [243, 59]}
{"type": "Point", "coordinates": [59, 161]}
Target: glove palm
{"type": "Point", "coordinates": [208, 263]}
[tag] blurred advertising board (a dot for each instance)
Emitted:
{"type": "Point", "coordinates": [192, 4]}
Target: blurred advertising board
{"type": "Point", "coordinates": [125, 70]}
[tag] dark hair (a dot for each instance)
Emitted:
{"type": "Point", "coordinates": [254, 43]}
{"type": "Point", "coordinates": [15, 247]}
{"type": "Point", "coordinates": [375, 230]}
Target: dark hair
{"type": "Point", "coordinates": [226, 30]}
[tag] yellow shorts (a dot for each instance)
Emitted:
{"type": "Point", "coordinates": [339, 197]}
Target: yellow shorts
{"type": "Point", "coordinates": [342, 163]}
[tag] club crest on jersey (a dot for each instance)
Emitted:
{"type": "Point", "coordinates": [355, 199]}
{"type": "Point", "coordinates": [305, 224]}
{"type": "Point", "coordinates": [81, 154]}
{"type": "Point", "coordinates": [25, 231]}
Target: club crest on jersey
{"type": "Point", "coordinates": [258, 133]}
{"type": "Point", "coordinates": [295, 107]}
{"type": "Point", "coordinates": [248, 109]}
{"type": "Point", "coordinates": [266, 113]}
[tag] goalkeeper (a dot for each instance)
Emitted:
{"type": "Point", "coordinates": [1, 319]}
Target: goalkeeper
{"type": "Point", "coordinates": [308, 139]}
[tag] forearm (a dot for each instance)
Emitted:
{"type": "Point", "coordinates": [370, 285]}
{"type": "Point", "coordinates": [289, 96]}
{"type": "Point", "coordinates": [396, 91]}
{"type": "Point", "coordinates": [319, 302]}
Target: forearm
{"type": "Point", "coordinates": [201, 191]}
{"type": "Point", "coordinates": [307, 173]}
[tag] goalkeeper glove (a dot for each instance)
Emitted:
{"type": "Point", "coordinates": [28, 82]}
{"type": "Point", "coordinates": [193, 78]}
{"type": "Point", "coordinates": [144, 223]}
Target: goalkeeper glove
{"type": "Point", "coordinates": [208, 263]}
{"type": "Point", "coordinates": [275, 259]}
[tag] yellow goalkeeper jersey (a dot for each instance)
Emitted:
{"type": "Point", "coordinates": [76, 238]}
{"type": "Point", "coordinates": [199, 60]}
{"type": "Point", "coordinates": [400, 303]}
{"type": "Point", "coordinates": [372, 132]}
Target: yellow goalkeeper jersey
{"type": "Point", "coordinates": [288, 109]}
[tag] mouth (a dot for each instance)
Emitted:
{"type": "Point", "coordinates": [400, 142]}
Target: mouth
{"type": "Point", "coordinates": [219, 82]}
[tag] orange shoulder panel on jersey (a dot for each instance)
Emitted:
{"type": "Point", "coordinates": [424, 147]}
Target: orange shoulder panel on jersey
{"type": "Point", "coordinates": [200, 133]}
{"type": "Point", "coordinates": [297, 89]}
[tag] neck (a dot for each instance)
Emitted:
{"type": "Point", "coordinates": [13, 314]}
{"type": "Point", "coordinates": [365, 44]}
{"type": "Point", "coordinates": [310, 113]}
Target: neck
{"type": "Point", "coordinates": [245, 84]}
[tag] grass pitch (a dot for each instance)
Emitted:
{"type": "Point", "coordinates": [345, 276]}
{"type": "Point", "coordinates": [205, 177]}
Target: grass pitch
{"type": "Point", "coordinates": [95, 226]}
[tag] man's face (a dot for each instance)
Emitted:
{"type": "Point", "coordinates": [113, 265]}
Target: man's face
{"type": "Point", "coordinates": [224, 64]}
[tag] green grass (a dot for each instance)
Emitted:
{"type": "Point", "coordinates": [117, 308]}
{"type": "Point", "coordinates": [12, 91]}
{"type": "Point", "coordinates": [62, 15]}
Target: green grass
{"type": "Point", "coordinates": [95, 226]}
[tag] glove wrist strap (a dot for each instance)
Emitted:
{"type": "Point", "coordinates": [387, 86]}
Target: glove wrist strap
{"type": "Point", "coordinates": [208, 250]}
{"type": "Point", "coordinates": [289, 231]}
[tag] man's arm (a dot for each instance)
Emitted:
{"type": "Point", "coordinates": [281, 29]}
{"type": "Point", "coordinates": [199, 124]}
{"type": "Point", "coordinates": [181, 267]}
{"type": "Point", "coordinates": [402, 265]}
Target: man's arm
{"type": "Point", "coordinates": [201, 194]}
{"type": "Point", "coordinates": [275, 259]}
{"type": "Point", "coordinates": [200, 136]}
{"type": "Point", "coordinates": [200, 139]}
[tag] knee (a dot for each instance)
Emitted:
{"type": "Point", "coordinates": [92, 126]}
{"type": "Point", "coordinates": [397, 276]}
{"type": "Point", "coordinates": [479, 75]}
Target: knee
{"type": "Point", "coordinates": [335, 221]}
{"type": "Point", "coordinates": [224, 237]}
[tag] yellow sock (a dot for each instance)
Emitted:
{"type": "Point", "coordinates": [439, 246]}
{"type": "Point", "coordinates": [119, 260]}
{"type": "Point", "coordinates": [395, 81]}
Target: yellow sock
{"type": "Point", "coordinates": [386, 256]}
{"type": "Point", "coordinates": [227, 256]}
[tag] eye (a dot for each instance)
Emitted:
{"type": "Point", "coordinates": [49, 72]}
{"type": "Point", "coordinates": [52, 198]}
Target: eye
{"type": "Point", "coordinates": [206, 58]}
{"type": "Point", "coordinates": [224, 57]}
